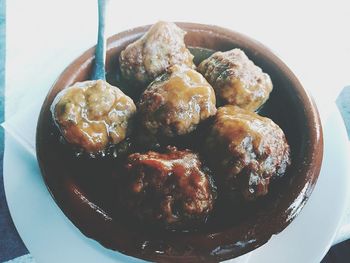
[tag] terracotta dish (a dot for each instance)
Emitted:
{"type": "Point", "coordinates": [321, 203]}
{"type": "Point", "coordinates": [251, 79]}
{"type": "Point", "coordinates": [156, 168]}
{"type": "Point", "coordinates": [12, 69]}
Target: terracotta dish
{"type": "Point", "coordinates": [87, 202]}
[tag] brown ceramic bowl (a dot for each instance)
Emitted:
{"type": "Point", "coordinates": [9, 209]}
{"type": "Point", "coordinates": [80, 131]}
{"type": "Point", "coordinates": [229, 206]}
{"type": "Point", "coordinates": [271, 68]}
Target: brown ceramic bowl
{"type": "Point", "coordinates": [87, 202]}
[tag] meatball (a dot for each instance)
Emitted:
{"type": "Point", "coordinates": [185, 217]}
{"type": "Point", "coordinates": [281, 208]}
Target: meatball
{"type": "Point", "coordinates": [92, 115]}
{"type": "Point", "coordinates": [172, 189]}
{"type": "Point", "coordinates": [162, 46]}
{"type": "Point", "coordinates": [236, 79]}
{"type": "Point", "coordinates": [175, 102]}
{"type": "Point", "coordinates": [248, 150]}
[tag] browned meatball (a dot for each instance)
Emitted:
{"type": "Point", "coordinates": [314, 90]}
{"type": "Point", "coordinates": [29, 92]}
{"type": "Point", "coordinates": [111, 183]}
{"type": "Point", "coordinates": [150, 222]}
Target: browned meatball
{"type": "Point", "coordinates": [236, 79]}
{"type": "Point", "coordinates": [247, 150]}
{"type": "Point", "coordinates": [176, 102]}
{"type": "Point", "coordinates": [92, 115]}
{"type": "Point", "coordinates": [170, 189]}
{"type": "Point", "coordinates": [162, 46]}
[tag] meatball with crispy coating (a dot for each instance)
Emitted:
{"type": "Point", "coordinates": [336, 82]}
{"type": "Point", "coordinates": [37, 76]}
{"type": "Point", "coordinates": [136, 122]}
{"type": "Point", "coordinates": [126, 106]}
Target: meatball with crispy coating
{"type": "Point", "coordinates": [162, 46]}
{"type": "Point", "coordinates": [248, 151]}
{"type": "Point", "coordinates": [175, 102]}
{"type": "Point", "coordinates": [92, 115]}
{"type": "Point", "coordinates": [172, 189]}
{"type": "Point", "coordinates": [236, 79]}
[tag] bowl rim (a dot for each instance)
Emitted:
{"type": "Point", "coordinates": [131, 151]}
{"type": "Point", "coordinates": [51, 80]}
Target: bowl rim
{"type": "Point", "coordinates": [314, 154]}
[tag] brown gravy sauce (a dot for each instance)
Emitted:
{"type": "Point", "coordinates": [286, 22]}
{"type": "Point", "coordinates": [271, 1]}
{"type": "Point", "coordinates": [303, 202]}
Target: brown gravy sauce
{"type": "Point", "coordinates": [94, 182]}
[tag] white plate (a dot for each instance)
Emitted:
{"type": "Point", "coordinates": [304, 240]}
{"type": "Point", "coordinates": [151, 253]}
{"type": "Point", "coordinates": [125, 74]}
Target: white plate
{"type": "Point", "coordinates": [51, 237]}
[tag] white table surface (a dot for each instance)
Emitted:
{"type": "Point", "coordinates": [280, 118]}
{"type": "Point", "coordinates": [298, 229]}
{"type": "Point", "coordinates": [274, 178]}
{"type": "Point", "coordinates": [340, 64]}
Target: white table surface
{"type": "Point", "coordinates": [43, 37]}
{"type": "Point", "coordinates": [311, 37]}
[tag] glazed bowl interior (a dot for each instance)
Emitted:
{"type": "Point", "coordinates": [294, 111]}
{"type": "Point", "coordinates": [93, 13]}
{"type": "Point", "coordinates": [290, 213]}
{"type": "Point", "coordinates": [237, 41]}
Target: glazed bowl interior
{"type": "Point", "coordinates": [87, 203]}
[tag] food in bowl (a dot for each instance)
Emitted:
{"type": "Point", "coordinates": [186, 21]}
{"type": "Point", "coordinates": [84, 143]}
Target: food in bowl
{"type": "Point", "coordinates": [93, 115]}
{"type": "Point", "coordinates": [171, 189]}
{"type": "Point", "coordinates": [176, 102]}
{"type": "Point", "coordinates": [250, 151]}
{"type": "Point", "coordinates": [148, 57]}
{"type": "Point", "coordinates": [236, 79]}
{"type": "Point", "coordinates": [87, 192]}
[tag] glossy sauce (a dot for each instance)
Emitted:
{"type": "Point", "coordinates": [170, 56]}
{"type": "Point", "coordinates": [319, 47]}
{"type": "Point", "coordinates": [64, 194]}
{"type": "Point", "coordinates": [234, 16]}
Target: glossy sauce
{"type": "Point", "coordinates": [94, 182]}
{"type": "Point", "coordinates": [93, 114]}
{"type": "Point", "coordinates": [172, 189]}
{"type": "Point", "coordinates": [176, 102]}
{"type": "Point", "coordinates": [97, 176]}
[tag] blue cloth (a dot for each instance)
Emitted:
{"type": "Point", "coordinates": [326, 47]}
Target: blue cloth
{"type": "Point", "coordinates": [343, 103]}
{"type": "Point", "coordinates": [11, 245]}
